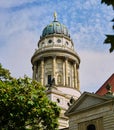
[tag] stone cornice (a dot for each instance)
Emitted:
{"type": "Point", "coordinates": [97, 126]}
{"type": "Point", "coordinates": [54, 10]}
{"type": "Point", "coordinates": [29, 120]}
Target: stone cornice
{"type": "Point", "coordinates": [55, 35]}
{"type": "Point", "coordinates": [90, 108]}
{"type": "Point", "coordinates": [52, 52]}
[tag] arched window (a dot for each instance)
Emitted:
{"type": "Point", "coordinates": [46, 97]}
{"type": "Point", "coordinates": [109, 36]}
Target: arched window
{"type": "Point", "coordinates": [91, 127]}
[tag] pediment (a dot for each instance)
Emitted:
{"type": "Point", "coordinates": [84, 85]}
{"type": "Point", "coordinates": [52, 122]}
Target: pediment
{"type": "Point", "coordinates": [85, 101]}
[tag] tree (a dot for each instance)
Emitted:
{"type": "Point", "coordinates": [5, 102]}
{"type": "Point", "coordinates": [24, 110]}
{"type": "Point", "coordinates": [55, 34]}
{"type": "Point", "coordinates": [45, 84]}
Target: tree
{"type": "Point", "coordinates": [4, 73]}
{"type": "Point", "coordinates": [24, 105]}
{"type": "Point", "coordinates": [108, 2]}
{"type": "Point", "coordinates": [110, 38]}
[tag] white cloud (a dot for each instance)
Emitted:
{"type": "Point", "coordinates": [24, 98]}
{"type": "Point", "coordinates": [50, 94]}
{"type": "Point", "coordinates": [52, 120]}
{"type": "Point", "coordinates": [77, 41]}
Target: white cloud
{"type": "Point", "coordinates": [21, 29]}
{"type": "Point", "coordinates": [12, 3]}
{"type": "Point", "coordinates": [95, 69]}
{"type": "Point", "coordinates": [16, 56]}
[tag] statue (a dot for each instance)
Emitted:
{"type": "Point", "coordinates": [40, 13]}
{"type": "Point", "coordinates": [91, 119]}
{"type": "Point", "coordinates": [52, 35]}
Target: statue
{"type": "Point", "coordinates": [55, 16]}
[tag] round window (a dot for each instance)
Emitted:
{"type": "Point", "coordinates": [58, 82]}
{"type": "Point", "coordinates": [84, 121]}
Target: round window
{"type": "Point", "coordinates": [67, 43]}
{"type": "Point", "coordinates": [59, 41]}
{"type": "Point", "coordinates": [50, 41]}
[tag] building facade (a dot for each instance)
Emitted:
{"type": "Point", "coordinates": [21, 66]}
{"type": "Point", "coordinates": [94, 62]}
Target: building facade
{"type": "Point", "coordinates": [102, 90]}
{"type": "Point", "coordinates": [56, 65]}
{"type": "Point", "coordinates": [92, 112]}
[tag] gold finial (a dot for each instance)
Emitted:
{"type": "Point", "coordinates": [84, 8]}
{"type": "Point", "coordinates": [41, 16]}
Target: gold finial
{"type": "Point", "coordinates": [55, 16]}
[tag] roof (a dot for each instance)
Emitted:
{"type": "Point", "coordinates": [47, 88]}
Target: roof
{"type": "Point", "coordinates": [102, 90]}
{"type": "Point", "coordinates": [85, 102]}
{"type": "Point", "coordinates": [55, 27]}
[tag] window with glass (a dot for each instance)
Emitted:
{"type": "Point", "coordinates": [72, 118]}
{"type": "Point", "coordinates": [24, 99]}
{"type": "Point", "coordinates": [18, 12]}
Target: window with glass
{"type": "Point", "coordinates": [49, 79]}
{"type": "Point", "coordinates": [67, 43]}
{"type": "Point", "coordinates": [50, 41]}
{"type": "Point", "coordinates": [59, 40]}
{"type": "Point", "coordinates": [91, 127]}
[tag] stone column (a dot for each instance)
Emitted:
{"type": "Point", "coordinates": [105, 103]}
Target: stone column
{"type": "Point", "coordinates": [42, 71]}
{"type": "Point", "coordinates": [78, 81]}
{"type": "Point", "coordinates": [34, 72]}
{"type": "Point", "coordinates": [54, 68]}
{"type": "Point", "coordinates": [75, 75]}
{"type": "Point", "coordinates": [66, 71]}
{"type": "Point", "coordinates": [37, 73]}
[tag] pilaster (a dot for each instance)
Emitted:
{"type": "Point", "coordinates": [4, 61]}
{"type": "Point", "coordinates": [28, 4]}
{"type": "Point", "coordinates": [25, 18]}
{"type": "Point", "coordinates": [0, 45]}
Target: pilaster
{"type": "Point", "coordinates": [66, 71]}
{"type": "Point", "coordinates": [75, 75]}
{"type": "Point", "coordinates": [54, 67]}
{"type": "Point", "coordinates": [34, 71]}
{"type": "Point", "coordinates": [42, 71]}
{"type": "Point", "coordinates": [78, 81]}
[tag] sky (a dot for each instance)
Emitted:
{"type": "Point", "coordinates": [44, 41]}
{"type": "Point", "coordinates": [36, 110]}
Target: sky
{"type": "Point", "coordinates": [22, 23]}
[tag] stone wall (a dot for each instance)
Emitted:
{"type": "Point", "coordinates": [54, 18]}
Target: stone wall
{"type": "Point", "coordinates": [101, 116]}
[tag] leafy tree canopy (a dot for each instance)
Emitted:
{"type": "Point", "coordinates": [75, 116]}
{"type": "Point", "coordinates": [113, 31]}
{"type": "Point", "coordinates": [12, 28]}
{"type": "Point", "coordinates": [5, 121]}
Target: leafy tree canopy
{"type": "Point", "coordinates": [108, 2]}
{"type": "Point", "coordinates": [4, 73]}
{"type": "Point", "coordinates": [109, 38]}
{"type": "Point", "coordinates": [24, 105]}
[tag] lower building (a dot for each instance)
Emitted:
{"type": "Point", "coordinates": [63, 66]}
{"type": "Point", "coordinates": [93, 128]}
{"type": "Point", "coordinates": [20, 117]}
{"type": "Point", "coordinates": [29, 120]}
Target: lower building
{"type": "Point", "coordinates": [92, 112]}
{"type": "Point", "coordinates": [102, 90]}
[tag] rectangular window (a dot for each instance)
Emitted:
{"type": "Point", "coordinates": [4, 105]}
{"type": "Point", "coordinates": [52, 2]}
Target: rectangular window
{"type": "Point", "coordinates": [49, 79]}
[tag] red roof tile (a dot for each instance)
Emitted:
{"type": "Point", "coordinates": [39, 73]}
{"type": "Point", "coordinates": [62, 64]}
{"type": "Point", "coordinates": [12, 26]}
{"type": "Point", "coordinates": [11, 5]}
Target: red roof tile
{"type": "Point", "coordinates": [102, 90]}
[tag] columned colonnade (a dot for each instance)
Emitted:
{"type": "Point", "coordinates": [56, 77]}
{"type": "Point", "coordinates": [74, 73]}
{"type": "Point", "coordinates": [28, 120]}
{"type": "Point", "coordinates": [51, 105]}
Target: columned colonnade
{"type": "Point", "coordinates": [65, 72]}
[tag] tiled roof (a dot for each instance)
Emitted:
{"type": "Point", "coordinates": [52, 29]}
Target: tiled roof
{"type": "Point", "coordinates": [102, 90]}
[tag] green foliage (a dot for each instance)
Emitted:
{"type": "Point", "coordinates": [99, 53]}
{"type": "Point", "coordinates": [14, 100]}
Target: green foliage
{"type": "Point", "coordinates": [108, 2]}
{"type": "Point", "coordinates": [24, 105]}
{"type": "Point", "coordinates": [4, 73]}
{"type": "Point", "coordinates": [110, 38]}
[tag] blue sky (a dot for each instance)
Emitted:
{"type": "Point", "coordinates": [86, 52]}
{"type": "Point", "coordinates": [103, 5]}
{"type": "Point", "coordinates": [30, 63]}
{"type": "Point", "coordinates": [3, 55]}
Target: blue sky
{"type": "Point", "coordinates": [22, 22]}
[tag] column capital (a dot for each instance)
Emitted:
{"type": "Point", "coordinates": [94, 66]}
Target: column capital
{"type": "Point", "coordinates": [74, 62]}
{"type": "Point", "coordinates": [66, 57]}
{"type": "Point", "coordinates": [34, 66]}
{"type": "Point", "coordinates": [54, 56]}
{"type": "Point", "coordinates": [42, 58]}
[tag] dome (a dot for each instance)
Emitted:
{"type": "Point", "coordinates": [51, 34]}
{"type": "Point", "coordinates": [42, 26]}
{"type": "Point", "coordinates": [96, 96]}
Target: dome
{"type": "Point", "coordinates": [55, 27]}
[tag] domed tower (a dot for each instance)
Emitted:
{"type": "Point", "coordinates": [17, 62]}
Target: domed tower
{"type": "Point", "coordinates": [55, 65]}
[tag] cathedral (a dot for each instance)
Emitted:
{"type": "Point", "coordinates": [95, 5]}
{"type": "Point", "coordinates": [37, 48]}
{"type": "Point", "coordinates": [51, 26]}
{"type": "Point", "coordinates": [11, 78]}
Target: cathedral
{"type": "Point", "coordinates": [55, 65]}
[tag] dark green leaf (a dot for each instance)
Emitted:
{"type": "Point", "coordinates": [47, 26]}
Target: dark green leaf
{"type": "Point", "coordinates": [110, 40]}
